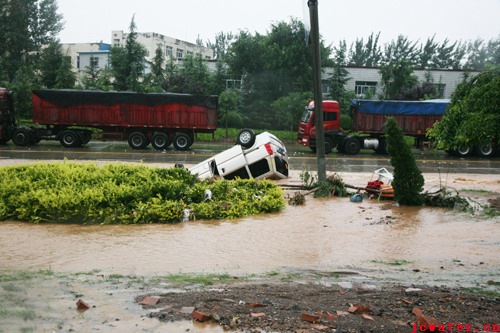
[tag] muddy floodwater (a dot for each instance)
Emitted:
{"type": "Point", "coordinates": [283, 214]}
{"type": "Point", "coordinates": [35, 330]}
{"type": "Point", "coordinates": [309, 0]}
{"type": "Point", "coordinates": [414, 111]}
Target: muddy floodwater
{"type": "Point", "coordinates": [324, 234]}
{"type": "Point", "coordinates": [371, 240]}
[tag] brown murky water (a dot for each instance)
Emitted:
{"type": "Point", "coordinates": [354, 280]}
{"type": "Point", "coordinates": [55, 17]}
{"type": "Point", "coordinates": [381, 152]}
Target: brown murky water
{"type": "Point", "coordinates": [325, 234]}
{"type": "Point", "coordinates": [377, 239]}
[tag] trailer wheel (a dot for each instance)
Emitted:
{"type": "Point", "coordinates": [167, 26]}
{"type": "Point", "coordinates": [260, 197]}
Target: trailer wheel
{"type": "Point", "coordinates": [182, 141]}
{"type": "Point", "coordinates": [246, 138]}
{"type": "Point", "coordinates": [70, 138]}
{"type": "Point", "coordinates": [22, 137]}
{"type": "Point", "coordinates": [485, 150]}
{"type": "Point", "coordinates": [160, 141]}
{"type": "Point", "coordinates": [138, 140]}
{"type": "Point", "coordinates": [352, 146]}
{"type": "Point", "coordinates": [463, 150]}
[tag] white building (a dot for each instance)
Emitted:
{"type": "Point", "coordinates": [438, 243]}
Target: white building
{"type": "Point", "coordinates": [172, 48]}
{"type": "Point", "coordinates": [82, 54]}
{"type": "Point", "coordinates": [367, 80]}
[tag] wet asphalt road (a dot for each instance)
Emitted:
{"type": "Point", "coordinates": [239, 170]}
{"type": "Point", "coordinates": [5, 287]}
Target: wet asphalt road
{"type": "Point", "coordinates": [300, 157]}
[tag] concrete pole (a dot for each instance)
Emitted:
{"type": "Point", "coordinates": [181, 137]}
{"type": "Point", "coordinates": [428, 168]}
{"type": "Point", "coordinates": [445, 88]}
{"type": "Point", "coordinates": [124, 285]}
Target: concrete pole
{"type": "Point", "coordinates": [318, 105]}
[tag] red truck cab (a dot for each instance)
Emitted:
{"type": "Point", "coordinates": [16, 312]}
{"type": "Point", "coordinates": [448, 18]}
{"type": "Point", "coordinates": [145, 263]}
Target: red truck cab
{"type": "Point", "coordinates": [307, 129]}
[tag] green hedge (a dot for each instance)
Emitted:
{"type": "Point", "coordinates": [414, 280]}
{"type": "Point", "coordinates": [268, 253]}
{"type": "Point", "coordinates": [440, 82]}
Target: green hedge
{"type": "Point", "coordinates": [87, 193]}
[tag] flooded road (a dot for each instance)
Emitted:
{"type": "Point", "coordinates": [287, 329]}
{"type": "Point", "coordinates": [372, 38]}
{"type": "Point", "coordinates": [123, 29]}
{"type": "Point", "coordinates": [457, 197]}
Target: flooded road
{"type": "Point", "coordinates": [376, 241]}
{"type": "Point", "coordinates": [325, 235]}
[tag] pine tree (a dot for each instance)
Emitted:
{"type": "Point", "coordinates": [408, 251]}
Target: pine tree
{"type": "Point", "coordinates": [408, 180]}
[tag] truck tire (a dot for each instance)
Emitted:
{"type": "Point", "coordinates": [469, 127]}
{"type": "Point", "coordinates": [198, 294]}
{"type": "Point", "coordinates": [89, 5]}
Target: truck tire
{"type": "Point", "coordinates": [246, 138]}
{"type": "Point", "coordinates": [22, 136]}
{"type": "Point", "coordinates": [160, 141]}
{"type": "Point", "coordinates": [382, 147]}
{"type": "Point", "coordinates": [463, 150]}
{"type": "Point", "coordinates": [485, 150]}
{"type": "Point", "coordinates": [328, 145]}
{"type": "Point", "coordinates": [182, 141]}
{"type": "Point", "coordinates": [352, 146]}
{"type": "Point", "coordinates": [138, 140]}
{"type": "Point", "coordinates": [70, 138]}
{"type": "Point", "coordinates": [86, 137]}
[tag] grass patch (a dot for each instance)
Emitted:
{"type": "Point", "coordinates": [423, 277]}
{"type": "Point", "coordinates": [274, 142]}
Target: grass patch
{"type": "Point", "coordinates": [180, 280]}
{"type": "Point", "coordinates": [23, 276]}
{"type": "Point", "coordinates": [394, 262]}
{"type": "Point", "coordinates": [475, 191]}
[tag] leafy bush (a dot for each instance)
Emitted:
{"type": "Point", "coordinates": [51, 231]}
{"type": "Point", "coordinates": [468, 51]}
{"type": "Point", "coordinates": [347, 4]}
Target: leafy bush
{"type": "Point", "coordinates": [127, 194]}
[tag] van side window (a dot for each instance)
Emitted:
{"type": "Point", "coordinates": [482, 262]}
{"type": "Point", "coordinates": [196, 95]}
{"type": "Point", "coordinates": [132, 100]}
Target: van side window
{"type": "Point", "coordinates": [239, 173]}
{"type": "Point", "coordinates": [259, 168]}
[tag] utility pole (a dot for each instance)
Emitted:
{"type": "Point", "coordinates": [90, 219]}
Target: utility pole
{"type": "Point", "coordinates": [318, 109]}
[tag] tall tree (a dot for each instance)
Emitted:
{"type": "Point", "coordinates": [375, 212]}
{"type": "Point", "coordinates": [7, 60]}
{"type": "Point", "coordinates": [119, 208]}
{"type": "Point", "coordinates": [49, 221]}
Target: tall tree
{"type": "Point", "coordinates": [472, 118]}
{"type": "Point", "coordinates": [399, 59]}
{"type": "Point", "coordinates": [55, 68]}
{"type": "Point", "coordinates": [366, 55]}
{"type": "Point", "coordinates": [26, 26]}
{"type": "Point", "coordinates": [340, 76]}
{"type": "Point", "coordinates": [128, 63]}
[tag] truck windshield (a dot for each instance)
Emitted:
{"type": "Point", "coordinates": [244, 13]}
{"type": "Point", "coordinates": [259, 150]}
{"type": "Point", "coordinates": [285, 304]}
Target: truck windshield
{"type": "Point", "coordinates": [306, 116]}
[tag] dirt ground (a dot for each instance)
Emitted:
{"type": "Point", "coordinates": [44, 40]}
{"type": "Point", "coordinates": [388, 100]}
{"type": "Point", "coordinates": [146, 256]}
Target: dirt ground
{"type": "Point", "coordinates": [312, 307]}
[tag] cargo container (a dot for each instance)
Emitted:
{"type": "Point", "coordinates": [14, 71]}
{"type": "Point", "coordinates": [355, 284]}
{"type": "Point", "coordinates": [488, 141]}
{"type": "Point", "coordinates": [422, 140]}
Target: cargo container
{"type": "Point", "coordinates": [74, 117]}
{"type": "Point", "coordinates": [368, 119]}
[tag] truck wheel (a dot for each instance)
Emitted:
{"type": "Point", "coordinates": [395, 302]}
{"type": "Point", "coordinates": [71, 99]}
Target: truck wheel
{"type": "Point", "coordinates": [328, 145]}
{"type": "Point", "coordinates": [485, 150]}
{"type": "Point", "coordinates": [86, 137]}
{"type": "Point", "coordinates": [22, 137]}
{"type": "Point", "coordinates": [160, 141]}
{"type": "Point", "coordinates": [382, 147]}
{"type": "Point", "coordinates": [182, 141]}
{"type": "Point", "coordinates": [70, 139]}
{"type": "Point", "coordinates": [138, 140]}
{"type": "Point", "coordinates": [352, 146]}
{"type": "Point", "coordinates": [246, 138]}
{"type": "Point", "coordinates": [463, 150]}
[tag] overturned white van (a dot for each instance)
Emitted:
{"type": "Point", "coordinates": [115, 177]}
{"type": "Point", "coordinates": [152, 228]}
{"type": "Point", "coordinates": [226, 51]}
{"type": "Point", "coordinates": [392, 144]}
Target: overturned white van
{"type": "Point", "coordinates": [254, 156]}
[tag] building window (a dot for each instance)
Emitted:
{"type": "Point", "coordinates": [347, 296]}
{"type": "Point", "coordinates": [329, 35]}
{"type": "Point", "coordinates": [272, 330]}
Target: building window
{"type": "Point", "coordinates": [169, 51]}
{"type": "Point", "coordinates": [78, 62]}
{"type": "Point", "coordinates": [440, 88]}
{"type": "Point", "coordinates": [233, 84]}
{"type": "Point", "coordinates": [180, 53]}
{"type": "Point", "coordinates": [94, 62]}
{"type": "Point", "coordinates": [364, 88]}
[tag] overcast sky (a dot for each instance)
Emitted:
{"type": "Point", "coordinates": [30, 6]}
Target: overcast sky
{"type": "Point", "coordinates": [93, 20]}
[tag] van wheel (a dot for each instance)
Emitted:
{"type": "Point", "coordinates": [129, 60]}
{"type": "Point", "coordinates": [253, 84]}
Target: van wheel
{"type": "Point", "coordinates": [160, 141]}
{"type": "Point", "coordinates": [182, 141]}
{"type": "Point", "coordinates": [246, 138]}
{"type": "Point", "coordinates": [138, 140]}
{"type": "Point", "coordinates": [22, 137]}
{"type": "Point", "coordinates": [352, 146]}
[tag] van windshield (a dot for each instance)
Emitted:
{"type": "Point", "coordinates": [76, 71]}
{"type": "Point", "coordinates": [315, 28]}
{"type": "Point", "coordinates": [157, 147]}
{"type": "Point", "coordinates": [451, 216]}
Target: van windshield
{"type": "Point", "coordinates": [306, 116]}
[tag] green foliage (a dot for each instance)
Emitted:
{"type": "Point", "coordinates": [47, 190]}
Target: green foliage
{"type": "Point", "coordinates": [333, 185]}
{"type": "Point", "coordinates": [408, 180]}
{"type": "Point", "coordinates": [55, 68]}
{"type": "Point", "coordinates": [26, 27]}
{"type": "Point", "coordinates": [128, 64]}
{"type": "Point", "coordinates": [288, 109]}
{"type": "Point", "coordinates": [472, 116]}
{"type": "Point", "coordinates": [126, 194]}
